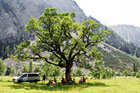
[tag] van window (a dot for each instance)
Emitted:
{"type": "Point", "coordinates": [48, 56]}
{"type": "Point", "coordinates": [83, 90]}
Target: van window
{"type": "Point", "coordinates": [33, 75]}
{"type": "Point", "coordinates": [25, 75]}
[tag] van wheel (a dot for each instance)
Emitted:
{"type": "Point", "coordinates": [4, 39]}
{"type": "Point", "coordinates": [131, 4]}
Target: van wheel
{"type": "Point", "coordinates": [19, 81]}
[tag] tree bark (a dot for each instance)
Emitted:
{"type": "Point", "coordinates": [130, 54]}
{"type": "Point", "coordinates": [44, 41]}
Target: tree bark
{"type": "Point", "coordinates": [68, 73]}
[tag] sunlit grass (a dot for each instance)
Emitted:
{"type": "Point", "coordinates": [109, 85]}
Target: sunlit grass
{"type": "Point", "coordinates": [114, 85]}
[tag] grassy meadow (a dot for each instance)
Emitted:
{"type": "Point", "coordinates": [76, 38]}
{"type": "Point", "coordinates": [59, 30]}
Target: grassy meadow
{"type": "Point", "coordinates": [114, 85]}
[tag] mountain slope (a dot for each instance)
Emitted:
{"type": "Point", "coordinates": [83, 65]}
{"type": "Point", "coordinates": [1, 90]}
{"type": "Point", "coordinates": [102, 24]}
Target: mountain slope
{"type": "Point", "coordinates": [129, 33]}
{"type": "Point", "coordinates": [118, 42]}
{"type": "Point", "coordinates": [117, 59]}
{"type": "Point", "coordinates": [14, 14]}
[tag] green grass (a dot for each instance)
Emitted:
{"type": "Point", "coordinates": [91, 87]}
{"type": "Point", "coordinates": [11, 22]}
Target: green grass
{"type": "Point", "coordinates": [114, 85]}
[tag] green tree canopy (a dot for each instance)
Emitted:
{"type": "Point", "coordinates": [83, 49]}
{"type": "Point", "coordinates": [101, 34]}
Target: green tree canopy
{"type": "Point", "coordinates": [50, 70]}
{"type": "Point", "coordinates": [64, 41]}
{"type": "Point", "coordinates": [100, 71]}
{"type": "Point", "coordinates": [2, 67]}
{"type": "Point", "coordinates": [25, 69]}
{"type": "Point", "coordinates": [8, 70]}
{"type": "Point", "coordinates": [30, 67]}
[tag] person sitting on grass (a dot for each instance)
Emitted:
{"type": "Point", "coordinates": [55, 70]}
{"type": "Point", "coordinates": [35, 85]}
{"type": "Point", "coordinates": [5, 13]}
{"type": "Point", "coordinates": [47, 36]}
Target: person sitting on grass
{"type": "Point", "coordinates": [55, 81]}
{"type": "Point", "coordinates": [70, 81]}
{"type": "Point", "coordinates": [81, 80]}
{"type": "Point", "coordinates": [74, 81]}
{"type": "Point", "coordinates": [50, 83]}
{"type": "Point", "coordinates": [63, 81]}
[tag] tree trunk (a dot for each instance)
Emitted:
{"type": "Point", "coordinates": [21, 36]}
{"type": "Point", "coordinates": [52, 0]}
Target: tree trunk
{"type": "Point", "coordinates": [68, 73]}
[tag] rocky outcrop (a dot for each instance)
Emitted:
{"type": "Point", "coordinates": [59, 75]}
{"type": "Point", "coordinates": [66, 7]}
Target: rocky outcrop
{"type": "Point", "coordinates": [129, 33]}
{"type": "Point", "coordinates": [14, 14]}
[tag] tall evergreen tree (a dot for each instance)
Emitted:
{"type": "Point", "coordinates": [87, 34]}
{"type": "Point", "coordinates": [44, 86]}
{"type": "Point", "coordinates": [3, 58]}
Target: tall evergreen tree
{"type": "Point", "coordinates": [2, 67]}
{"type": "Point", "coordinates": [30, 67]}
{"type": "Point", "coordinates": [8, 71]}
{"type": "Point", "coordinates": [135, 67]}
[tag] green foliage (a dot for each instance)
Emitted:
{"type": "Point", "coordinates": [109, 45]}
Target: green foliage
{"type": "Point", "coordinates": [125, 73]}
{"type": "Point", "coordinates": [135, 74]}
{"type": "Point", "coordinates": [51, 71]}
{"type": "Point", "coordinates": [77, 72]}
{"type": "Point", "coordinates": [13, 71]}
{"type": "Point", "coordinates": [138, 74]}
{"type": "Point", "coordinates": [57, 71]}
{"type": "Point", "coordinates": [8, 71]}
{"type": "Point", "coordinates": [135, 67]}
{"type": "Point", "coordinates": [18, 73]}
{"type": "Point", "coordinates": [100, 71]}
{"type": "Point", "coordinates": [25, 69]}
{"type": "Point", "coordinates": [2, 67]}
{"type": "Point", "coordinates": [107, 73]}
{"type": "Point", "coordinates": [37, 69]}
{"type": "Point", "coordinates": [30, 67]}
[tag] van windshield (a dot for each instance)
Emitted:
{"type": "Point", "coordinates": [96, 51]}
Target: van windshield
{"type": "Point", "coordinates": [24, 75]}
{"type": "Point", "coordinates": [33, 75]}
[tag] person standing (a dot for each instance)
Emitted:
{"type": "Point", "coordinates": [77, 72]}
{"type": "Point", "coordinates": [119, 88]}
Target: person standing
{"type": "Point", "coordinates": [44, 78]}
{"type": "Point", "coordinates": [84, 80]}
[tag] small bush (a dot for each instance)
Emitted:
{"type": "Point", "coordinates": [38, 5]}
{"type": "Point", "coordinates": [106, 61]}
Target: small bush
{"type": "Point", "coordinates": [100, 71]}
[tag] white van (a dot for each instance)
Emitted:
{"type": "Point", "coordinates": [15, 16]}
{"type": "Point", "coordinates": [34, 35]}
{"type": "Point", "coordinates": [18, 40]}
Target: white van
{"type": "Point", "coordinates": [27, 77]}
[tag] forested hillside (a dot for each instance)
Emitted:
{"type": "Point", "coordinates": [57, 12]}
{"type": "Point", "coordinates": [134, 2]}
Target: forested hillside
{"type": "Point", "coordinates": [131, 35]}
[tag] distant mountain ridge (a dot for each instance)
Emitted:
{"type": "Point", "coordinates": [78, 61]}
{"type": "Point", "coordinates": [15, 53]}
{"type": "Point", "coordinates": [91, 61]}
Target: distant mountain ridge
{"type": "Point", "coordinates": [129, 33]}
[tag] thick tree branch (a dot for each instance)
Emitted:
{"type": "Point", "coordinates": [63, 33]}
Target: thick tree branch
{"type": "Point", "coordinates": [47, 60]}
{"type": "Point", "coordinates": [56, 55]}
{"type": "Point", "coordinates": [72, 49]}
{"type": "Point", "coordinates": [76, 54]}
{"type": "Point", "coordinates": [56, 48]}
{"type": "Point", "coordinates": [62, 65]}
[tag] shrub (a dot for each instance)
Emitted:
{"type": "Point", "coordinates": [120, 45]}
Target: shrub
{"type": "Point", "coordinates": [77, 72]}
{"type": "Point", "coordinates": [126, 73]}
{"type": "Point", "coordinates": [8, 71]}
{"type": "Point", "coordinates": [2, 67]}
{"type": "Point", "coordinates": [100, 71]}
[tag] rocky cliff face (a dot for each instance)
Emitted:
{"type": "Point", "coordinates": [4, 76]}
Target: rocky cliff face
{"type": "Point", "coordinates": [14, 14]}
{"type": "Point", "coordinates": [128, 32]}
